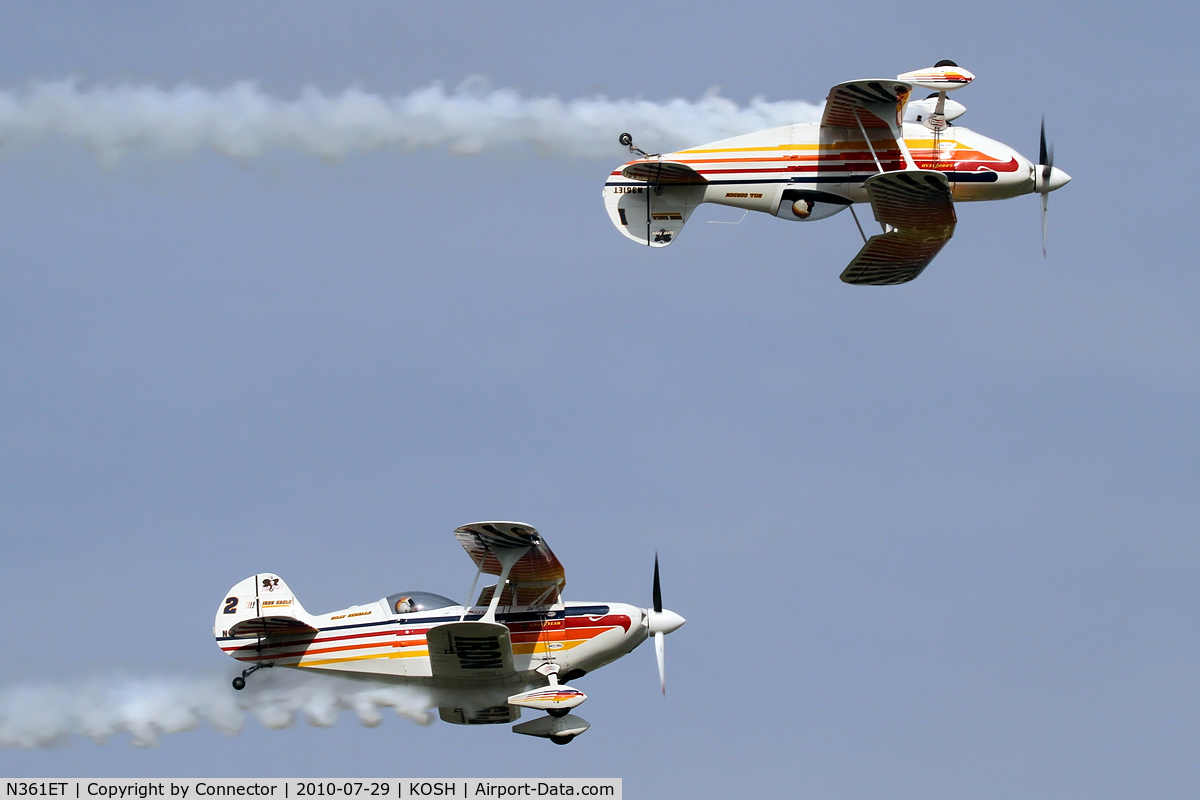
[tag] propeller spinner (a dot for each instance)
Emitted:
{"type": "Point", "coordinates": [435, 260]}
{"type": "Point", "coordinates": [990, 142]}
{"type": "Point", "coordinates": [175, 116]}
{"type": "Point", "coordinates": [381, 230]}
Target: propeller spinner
{"type": "Point", "coordinates": [660, 622]}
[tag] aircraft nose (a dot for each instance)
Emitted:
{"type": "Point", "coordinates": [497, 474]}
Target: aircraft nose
{"type": "Point", "coordinates": [664, 621]}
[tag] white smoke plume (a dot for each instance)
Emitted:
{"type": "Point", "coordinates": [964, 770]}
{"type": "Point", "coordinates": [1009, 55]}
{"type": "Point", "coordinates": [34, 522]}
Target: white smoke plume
{"type": "Point", "coordinates": [146, 708]}
{"type": "Point", "coordinates": [243, 122]}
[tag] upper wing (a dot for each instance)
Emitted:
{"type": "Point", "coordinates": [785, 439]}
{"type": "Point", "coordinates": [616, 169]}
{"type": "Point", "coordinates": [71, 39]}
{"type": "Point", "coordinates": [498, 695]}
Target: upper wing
{"type": "Point", "coordinates": [537, 577]}
{"type": "Point", "coordinates": [919, 207]}
{"type": "Point", "coordinates": [873, 103]}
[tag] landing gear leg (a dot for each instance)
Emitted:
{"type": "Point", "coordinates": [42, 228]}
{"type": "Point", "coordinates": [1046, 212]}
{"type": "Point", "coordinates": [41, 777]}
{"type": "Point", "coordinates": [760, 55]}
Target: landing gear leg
{"type": "Point", "coordinates": [239, 682]}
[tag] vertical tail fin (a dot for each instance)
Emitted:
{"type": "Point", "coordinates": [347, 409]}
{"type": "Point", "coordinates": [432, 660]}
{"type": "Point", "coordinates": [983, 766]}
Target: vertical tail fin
{"type": "Point", "coordinates": [261, 605]}
{"type": "Point", "coordinates": [650, 201]}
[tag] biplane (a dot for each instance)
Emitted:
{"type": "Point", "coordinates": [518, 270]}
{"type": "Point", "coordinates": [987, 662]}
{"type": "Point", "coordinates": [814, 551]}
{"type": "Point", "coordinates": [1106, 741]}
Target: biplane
{"type": "Point", "coordinates": [873, 145]}
{"type": "Point", "coordinates": [520, 645]}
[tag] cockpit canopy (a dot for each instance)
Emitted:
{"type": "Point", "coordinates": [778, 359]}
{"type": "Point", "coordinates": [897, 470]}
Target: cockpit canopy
{"type": "Point", "coordinates": [410, 602]}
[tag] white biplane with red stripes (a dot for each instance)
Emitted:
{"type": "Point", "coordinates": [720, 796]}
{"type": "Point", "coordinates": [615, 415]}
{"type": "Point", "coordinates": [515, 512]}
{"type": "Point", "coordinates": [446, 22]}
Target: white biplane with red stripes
{"type": "Point", "coordinates": [518, 646]}
{"type": "Point", "coordinates": [872, 145]}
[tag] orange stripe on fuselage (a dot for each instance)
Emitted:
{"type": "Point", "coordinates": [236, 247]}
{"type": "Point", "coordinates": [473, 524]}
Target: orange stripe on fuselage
{"type": "Point", "coordinates": [571, 634]}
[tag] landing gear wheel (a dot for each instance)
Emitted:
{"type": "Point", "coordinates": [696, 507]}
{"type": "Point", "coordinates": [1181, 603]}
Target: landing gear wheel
{"type": "Point", "coordinates": [558, 712]}
{"type": "Point", "coordinates": [561, 739]}
{"type": "Point", "coordinates": [239, 682]}
{"type": "Point", "coordinates": [945, 62]}
{"type": "Point", "coordinates": [625, 139]}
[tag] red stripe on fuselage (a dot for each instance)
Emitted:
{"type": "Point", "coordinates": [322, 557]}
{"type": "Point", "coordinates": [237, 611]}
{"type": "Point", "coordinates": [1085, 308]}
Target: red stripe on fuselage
{"type": "Point", "coordinates": [608, 620]}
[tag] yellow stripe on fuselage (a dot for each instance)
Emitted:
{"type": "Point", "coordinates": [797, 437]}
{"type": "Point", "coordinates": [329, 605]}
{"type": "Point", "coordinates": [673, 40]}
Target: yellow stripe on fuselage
{"type": "Point", "coordinates": [845, 144]}
{"type": "Point", "coordinates": [320, 662]}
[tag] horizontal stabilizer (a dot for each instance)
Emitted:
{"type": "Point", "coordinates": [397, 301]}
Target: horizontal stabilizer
{"type": "Point", "coordinates": [270, 626]}
{"type": "Point", "coordinates": [663, 173]}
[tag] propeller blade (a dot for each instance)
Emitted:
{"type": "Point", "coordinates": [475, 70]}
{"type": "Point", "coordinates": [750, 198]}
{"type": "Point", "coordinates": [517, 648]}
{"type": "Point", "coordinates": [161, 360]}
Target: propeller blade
{"type": "Point", "coordinates": [662, 661]}
{"type": "Point", "coordinates": [1045, 203]}
{"type": "Point", "coordinates": [658, 606]}
{"type": "Point", "coordinates": [1046, 168]}
{"type": "Point", "coordinates": [1042, 157]}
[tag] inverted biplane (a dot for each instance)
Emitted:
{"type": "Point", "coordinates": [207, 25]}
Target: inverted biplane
{"type": "Point", "coordinates": [872, 145]}
{"type": "Point", "coordinates": [518, 646]}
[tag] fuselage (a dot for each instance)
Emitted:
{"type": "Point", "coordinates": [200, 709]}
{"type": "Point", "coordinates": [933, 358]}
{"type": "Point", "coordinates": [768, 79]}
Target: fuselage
{"type": "Point", "coordinates": [371, 641]}
{"type": "Point", "coordinates": [753, 171]}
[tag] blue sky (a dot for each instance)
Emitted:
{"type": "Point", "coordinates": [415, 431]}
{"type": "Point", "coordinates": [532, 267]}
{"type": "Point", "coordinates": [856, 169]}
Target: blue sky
{"type": "Point", "coordinates": [935, 540]}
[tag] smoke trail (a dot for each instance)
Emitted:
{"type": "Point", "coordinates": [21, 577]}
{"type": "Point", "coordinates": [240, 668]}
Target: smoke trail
{"type": "Point", "coordinates": [46, 716]}
{"type": "Point", "coordinates": [242, 121]}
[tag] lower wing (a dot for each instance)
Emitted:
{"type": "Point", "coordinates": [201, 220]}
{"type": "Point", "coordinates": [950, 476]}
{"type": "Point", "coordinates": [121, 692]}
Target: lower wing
{"type": "Point", "coordinates": [470, 651]}
{"type": "Point", "coordinates": [919, 208]}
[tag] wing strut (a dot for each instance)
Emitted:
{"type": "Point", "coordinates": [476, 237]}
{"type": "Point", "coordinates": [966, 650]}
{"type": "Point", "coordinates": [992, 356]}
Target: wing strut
{"type": "Point", "coordinates": [908, 159]}
{"type": "Point", "coordinates": [471, 592]}
{"type": "Point", "coordinates": [507, 556]}
{"type": "Point", "coordinates": [860, 233]}
{"type": "Point", "coordinates": [890, 116]}
{"type": "Point", "coordinates": [874, 155]}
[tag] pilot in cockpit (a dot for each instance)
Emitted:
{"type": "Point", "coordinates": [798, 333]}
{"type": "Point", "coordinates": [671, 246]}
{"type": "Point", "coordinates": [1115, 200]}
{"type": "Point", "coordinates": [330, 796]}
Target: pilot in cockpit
{"type": "Point", "coordinates": [413, 602]}
{"type": "Point", "coordinates": [404, 605]}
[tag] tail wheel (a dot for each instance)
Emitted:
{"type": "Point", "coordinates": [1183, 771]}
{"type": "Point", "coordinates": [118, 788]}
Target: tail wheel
{"type": "Point", "coordinates": [239, 683]}
{"type": "Point", "coordinates": [625, 139]}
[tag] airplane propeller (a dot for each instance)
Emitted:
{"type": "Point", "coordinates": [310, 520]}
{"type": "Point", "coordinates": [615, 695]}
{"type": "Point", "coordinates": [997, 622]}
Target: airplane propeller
{"type": "Point", "coordinates": [660, 622]}
{"type": "Point", "coordinates": [1046, 178]}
